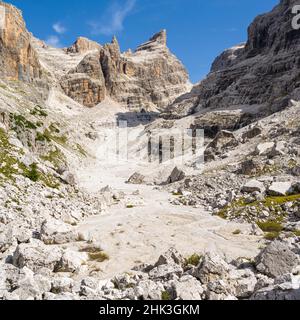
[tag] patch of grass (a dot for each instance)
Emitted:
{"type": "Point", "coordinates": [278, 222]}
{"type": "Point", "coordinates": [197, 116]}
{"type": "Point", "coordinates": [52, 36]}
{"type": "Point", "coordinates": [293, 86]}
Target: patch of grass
{"type": "Point", "coordinates": [240, 205]}
{"type": "Point", "coordinates": [165, 296]}
{"type": "Point", "coordinates": [33, 173]}
{"type": "Point", "coordinates": [130, 206]}
{"type": "Point", "coordinates": [270, 226]}
{"type": "Point", "coordinates": [81, 150]}
{"type": "Point", "coordinates": [3, 86]}
{"type": "Point", "coordinates": [271, 236]}
{"type": "Point", "coordinates": [9, 164]}
{"type": "Point", "coordinates": [38, 111]}
{"type": "Point", "coordinates": [48, 136]}
{"type": "Point", "coordinates": [193, 260]}
{"type": "Point", "coordinates": [42, 137]}
{"type": "Point", "coordinates": [292, 163]}
{"type": "Point", "coordinates": [236, 232]}
{"type": "Point", "coordinates": [21, 122]}
{"type": "Point", "coordinates": [56, 157]}
{"type": "Point", "coordinates": [62, 140]}
{"type": "Point", "coordinates": [176, 194]}
{"type": "Point", "coordinates": [95, 254]}
{"type": "Point", "coordinates": [296, 233]}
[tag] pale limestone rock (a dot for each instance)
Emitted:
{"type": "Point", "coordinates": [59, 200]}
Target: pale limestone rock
{"type": "Point", "coordinates": [279, 188]}
{"type": "Point", "coordinates": [36, 255]}
{"type": "Point", "coordinates": [276, 260]}
{"type": "Point", "coordinates": [56, 232]}
{"type": "Point", "coordinates": [254, 186]}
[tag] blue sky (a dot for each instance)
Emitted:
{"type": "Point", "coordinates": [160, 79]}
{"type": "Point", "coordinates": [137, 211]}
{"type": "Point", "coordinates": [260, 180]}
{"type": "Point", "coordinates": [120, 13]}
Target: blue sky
{"type": "Point", "coordinates": [198, 30]}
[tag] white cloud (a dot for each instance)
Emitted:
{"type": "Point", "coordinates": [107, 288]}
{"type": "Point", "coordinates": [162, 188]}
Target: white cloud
{"type": "Point", "coordinates": [112, 21]}
{"type": "Point", "coordinates": [53, 41]}
{"type": "Point", "coordinates": [59, 28]}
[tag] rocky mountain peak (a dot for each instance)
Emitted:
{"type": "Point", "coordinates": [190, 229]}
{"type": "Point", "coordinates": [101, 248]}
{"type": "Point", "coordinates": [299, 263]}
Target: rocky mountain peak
{"type": "Point", "coordinates": [160, 37]}
{"type": "Point", "coordinates": [252, 81]}
{"type": "Point", "coordinates": [158, 41]}
{"type": "Point", "coordinates": [83, 45]}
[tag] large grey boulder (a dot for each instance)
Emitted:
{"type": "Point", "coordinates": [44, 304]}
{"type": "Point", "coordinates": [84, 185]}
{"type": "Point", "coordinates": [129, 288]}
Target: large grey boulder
{"type": "Point", "coordinates": [252, 133]}
{"type": "Point", "coordinates": [186, 288]}
{"type": "Point", "coordinates": [276, 260]}
{"type": "Point", "coordinates": [36, 255]}
{"type": "Point", "coordinates": [136, 178]}
{"type": "Point", "coordinates": [212, 268]}
{"type": "Point", "coordinates": [223, 140]}
{"type": "Point", "coordinates": [172, 256]}
{"type": "Point", "coordinates": [254, 186]}
{"type": "Point", "coordinates": [279, 188]}
{"type": "Point", "coordinates": [175, 176]}
{"type": "Point", "coordinates": [57, 232]}
{"type": "Point", "coordinates": [243, 282]}
{"type": "Point", "coordinates": [149, 290]}
{"type": "Point", "coordinates": [264, 149]}
{"type": "Point", "coordinates": [71, 261]}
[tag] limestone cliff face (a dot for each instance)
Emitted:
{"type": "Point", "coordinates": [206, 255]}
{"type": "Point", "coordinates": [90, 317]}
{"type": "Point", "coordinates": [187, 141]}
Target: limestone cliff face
{"type": "Point", "coordinates": [86, 84]}
{"type": "Point", "coordinates": [18, 59]}
{"type": "Point", "coordinates": [254, 80]}
{"type": "Point", "coordinates": [83, 45]}
{"type": "Point", "coordinates": [150, 78]}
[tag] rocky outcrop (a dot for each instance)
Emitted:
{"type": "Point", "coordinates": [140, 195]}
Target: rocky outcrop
{"type": "Point", "coordinates": [147, 79]}
{"type": "Point", "coordinates": [83, 45]}
{"type": "Point", "coordinates": [18, 59]}
{"type": "Point", "coordinates": [86, 84]}
{"type": "Point", "coordinates": [256, 79]}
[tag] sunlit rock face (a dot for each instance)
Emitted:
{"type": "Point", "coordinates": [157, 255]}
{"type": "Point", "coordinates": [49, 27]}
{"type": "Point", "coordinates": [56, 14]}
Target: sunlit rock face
{"type": "Point", "coordinates": [18, 59]}
{"type": "Point", "coordinates": [149, 79]}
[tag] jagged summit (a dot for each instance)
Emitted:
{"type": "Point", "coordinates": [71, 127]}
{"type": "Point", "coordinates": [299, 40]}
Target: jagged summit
{"type": "Point", "coordinates": [88, 73]}
{"type": "Point", "coordinates": [157, 41]}
{"type": "Point", "coordinates": [147, 79]}
{"type": "Point", "coordinates": [83, 45]}
{"type": "Point", "coordinates": [160, 37]}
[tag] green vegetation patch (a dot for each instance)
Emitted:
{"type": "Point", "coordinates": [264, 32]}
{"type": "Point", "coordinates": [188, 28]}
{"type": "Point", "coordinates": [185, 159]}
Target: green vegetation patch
{"type": "Point", "coordinates": [56, 157]}
{"type": "Point", "coordinates": [81, 150]}
{"type": "Point", "coordinates": [240, 205]}
{"type": "Point", "coordinates": [270, 226]}
{"type": "Point", "coordinates": [165, 296]}
{"type": "Point", "coordinates": [20, 122]}
{"type": "Point", "coordinates": [96, 254]}
{"type": "Point", "coordinates": [193, 260]}
{"type": "Point", "coordinates": [9, 164]}
{"type": "Point", "coordinates": [38, 111]}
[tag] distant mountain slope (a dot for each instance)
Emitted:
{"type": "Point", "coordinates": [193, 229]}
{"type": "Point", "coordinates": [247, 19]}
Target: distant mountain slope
{"type": "Point", "coordinates": [253, 79]}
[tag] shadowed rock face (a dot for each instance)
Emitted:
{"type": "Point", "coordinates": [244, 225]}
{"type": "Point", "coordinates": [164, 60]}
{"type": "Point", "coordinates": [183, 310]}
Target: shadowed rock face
{"type": "Point", "coordinates": [257, 78]}
{"type": "Point", "coordinates": [18, 59]}
{"type": "Point", "coordinates": [147, 79]}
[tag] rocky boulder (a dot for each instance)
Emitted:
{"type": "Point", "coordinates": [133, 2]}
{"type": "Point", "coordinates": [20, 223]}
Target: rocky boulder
{"type": "Point", "coordinates": [254, 186]}
{"type": "Point", "coordinates": [36, 255]}
{"type": "Point", "coordinates": [57, 232]}
{"type": "Point", "coordinates": [276, 260]}
{"type": "Point", "coordinates": [279, 188]}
